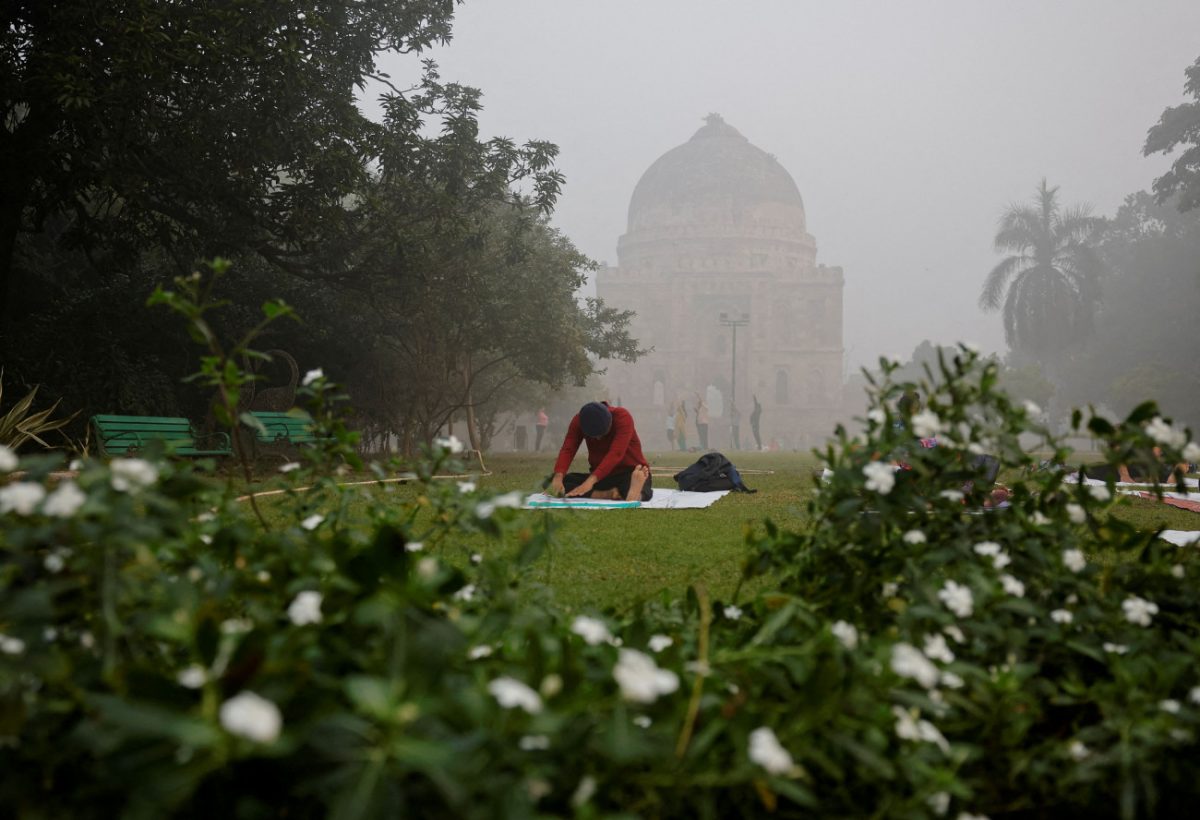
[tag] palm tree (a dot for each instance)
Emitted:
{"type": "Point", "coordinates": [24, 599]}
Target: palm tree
{"type": "Point", "coordinates": [1049, 285]}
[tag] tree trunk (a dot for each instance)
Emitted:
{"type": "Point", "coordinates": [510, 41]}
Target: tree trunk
{"type": "Point", "coordinates": [472, 423]}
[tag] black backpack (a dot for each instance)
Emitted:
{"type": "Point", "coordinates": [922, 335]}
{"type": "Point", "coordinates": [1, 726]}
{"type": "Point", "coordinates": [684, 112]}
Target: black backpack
{"type": "Point", "coordinates": [711, 472]}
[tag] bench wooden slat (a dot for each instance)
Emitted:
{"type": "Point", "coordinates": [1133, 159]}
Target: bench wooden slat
{"type": "Point", "coordinates": [118, 435]}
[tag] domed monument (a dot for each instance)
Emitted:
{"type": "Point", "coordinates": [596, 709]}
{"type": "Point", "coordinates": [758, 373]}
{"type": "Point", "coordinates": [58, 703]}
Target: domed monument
{"type": "Point", "coordinates": [722, 273]}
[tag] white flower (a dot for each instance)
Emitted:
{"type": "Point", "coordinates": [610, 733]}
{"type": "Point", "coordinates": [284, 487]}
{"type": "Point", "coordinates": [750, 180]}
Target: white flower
{"type": "Point", "coordinates": [8, 459]}
{"type": "Point", "coordinates": [976, 449]}
{"type": "Point", "coordinates": [466, 487]}
{"type": "Point", "coordinates": [952, 495]}
{"type": "Point", "coordinates": [1138, 610]}
{"type": "Point", "coordinates": [312, 375]}
{"type": "Point", "coordinates": [132, 474]}
{"type": "Point", "coordinates": [877, 415]}
{"type": "Point", "coordinates": [1194, 695]}
{"type": "Point", "coordinates": [414, 546]}
{"type": "Point", "coordinates": [476, 558]}
{"type": "Point", "coordinates": [1012, 586]}
{"type": "Point", "coordinates": [939, 803]}
{"type": "Point", "coordinates": [552, 684]}
{"type": "Point", "coordinates": [642, 721]}
{"type": "Point", "coordinates": [10, 645]}
{"type": "Point", "coordinates": [1115, 648]}
{"type": "Point", "coordinates": [291, 465]}
{"type": "Point", "coordinates": [986, 548]}
{"type": "Point", "coordinates": [251, 716]}
{"type": "Point", "coordinates": [914, 537]}
{"type": "Point", "coordinates": [1031, 409]}
{"type": "Point", "coordinates": [889, 589]}
{"type": "Point", "coordinates": [193, 677]}
{"type": "Point", "coordinates": [1191, 453]}
{"type": "Point", "coordinates": [658, 643]}
{"type": "Point", "coordinates": [846, 633]}
{"type": "Point", "coordinates": [477, 652]}
{"type": "Point", "coordinates": [957, 598]}
{"type": "Point", "coordinates": [951, 680]}
{"type": "Point", "coordinates": [1039, 518]}
{"type": "Point", "coordinates": [512, 694]}
{"type": "Point", "coordinates": [937, 649]}
{"type": "Point", "coordinates": [1062, 616]}
{"type": "Point", "coordinates": [514, 500]}
{"type": "Point", "coordinates": [87, 640]}
{"type": "Point", "coordinates": [955, 633]}
{"type": "Point", "coordinates": [1163, 433]}
{"type": "Point", "coordinates": [768, 752]}
{"type": "Point", "coordinates": [1099, 492]}
{"type": "Point", "coordinates": [962, 815]}
{"type": "Point", "coordinates": [21, 497]}
{"type": "Point", "coordinates": [1001, 561]}
{"type": "Point", "coordinates": [640, 679]}
{"type": "Point", "coordinates": [732, 612]}
{"type": "Point", "coordinates": [312, 522]}
{"type": "Point", "coordinates": [427, 568]}
{"type": "Point", "coordinates": [593, 631]}
{"type": "Point", "coordinates": [54, 562]}
{"type": "Point", "coordinates": [910, 727]}
{"type": "Point", "coordinates": [65, 501]}
{"type": "Point", "coordinates": [1177, 570]}
{"type": "Point", "coordinates": [533, 743]}
{"type": "Point", "coordinates": [1078, 751]}
{"type": "Point", "coordinates": [584, 791]}
{"type": "Point", "coordinates": [305, 608]}
{"type": "Point", "coordinates": [1170, 706]}
{"type": "Point", "coordinates": [50, 634]}
{"type": "Point", "coordinates": [450, 443]}
{"type": "Point", "coordinates": [881, 477]}
{"type": "Point", "coordinates": [1074, 560]}
{"type": "Point", "coordinates": [926, 424]}
{"type": "Point", "coordinates": [1076, 513]}
{"type": "Point", "coordinates": [466, 593]}
{"type": "Point", "coordinates": [908, 662]}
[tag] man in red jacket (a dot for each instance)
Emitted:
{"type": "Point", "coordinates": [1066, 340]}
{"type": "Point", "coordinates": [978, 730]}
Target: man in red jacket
{"type": "Point", "coordinates": [619, 470]}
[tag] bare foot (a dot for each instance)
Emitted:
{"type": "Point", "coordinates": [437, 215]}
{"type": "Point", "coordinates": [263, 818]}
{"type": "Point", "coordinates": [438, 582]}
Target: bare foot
{"type": "Point", "coordinates": [636, 482]}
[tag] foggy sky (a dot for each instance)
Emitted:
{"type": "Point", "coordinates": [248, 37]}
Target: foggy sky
{"type": "Point", "coordinates": [908, 126]}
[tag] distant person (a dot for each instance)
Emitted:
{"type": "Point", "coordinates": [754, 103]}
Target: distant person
{"type": "Point", "coordinates": [755, 418]}
{"type": "Point", "coordinates": [702, 423]}
{"type": "Point", "coordinates": [543, 421]}
{"type": "Point", "coordinates": [671, 427]}
{"type": "Point", "coordinates": [681, 426]}
{"type": "Point", "coordinates": [735, 418]}
{"type": "Point", "coordinates": [618, 468]}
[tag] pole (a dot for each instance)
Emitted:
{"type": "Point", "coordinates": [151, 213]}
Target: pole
{"type": "Point", "coordinates": [733, 371]}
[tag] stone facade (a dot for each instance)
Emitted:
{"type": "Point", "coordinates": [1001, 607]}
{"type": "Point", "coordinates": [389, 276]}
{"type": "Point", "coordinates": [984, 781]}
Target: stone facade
{"type": "Point", "coordinates": [717, 226]}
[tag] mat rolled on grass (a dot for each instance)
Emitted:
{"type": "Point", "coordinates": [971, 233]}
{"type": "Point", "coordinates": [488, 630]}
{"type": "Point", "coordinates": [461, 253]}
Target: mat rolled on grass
{"type": "Point", "coordinates": [661, 500]}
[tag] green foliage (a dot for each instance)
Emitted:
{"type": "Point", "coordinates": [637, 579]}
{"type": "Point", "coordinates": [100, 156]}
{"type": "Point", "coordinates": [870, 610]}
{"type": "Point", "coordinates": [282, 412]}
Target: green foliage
{"type": "Point", "coordinates": [1179, 129]}
{"type": "Point", "coordinates": [392, 674]}
{"type": "Point", "coordinates": [21, 423]}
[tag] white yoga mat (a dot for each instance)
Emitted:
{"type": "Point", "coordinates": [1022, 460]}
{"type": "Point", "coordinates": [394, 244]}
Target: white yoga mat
{"type": "Point", "coordinates": [1181, 538]}
{"type": "Point", "coordinates": [1073, 478]}
{"type": "Point", "coordinates": [661, 500]}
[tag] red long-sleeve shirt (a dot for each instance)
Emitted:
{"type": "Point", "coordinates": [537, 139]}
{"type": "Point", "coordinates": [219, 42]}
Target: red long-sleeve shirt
{"type": "Point", "coordinates": [619, 447]}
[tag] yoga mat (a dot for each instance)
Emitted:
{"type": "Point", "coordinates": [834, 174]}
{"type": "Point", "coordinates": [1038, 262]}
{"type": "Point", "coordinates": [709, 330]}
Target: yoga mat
{"type": "Point", "coordinates": [1181, 538]}
{"type": "Point", "coordinates": [661, 500]}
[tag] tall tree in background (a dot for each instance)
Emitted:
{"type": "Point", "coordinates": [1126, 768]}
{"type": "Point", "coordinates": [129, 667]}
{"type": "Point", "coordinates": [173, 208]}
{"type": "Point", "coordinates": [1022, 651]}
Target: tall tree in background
{"type": "Point", "coordinates": [1048, 288]}
{"type": "Point", "coordinates": [1179, 127]}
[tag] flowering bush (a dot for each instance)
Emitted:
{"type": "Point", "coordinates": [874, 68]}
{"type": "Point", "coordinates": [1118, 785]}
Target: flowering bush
{"type": "Point", "coordinates": [162, 652]}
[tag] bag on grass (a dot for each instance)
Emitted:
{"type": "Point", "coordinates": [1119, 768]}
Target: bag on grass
{"type": "Point", "coordinates": [712, 471]}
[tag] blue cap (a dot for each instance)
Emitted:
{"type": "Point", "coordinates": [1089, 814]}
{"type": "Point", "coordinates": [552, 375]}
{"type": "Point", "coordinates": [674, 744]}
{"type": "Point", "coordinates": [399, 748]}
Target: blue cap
{"type": "Point", "coordinates": [594, 419]}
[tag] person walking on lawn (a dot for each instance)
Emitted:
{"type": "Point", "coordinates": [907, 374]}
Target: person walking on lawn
{"type": "Point", "coordinates": [618, 468]}
{"type": "Point", "coordinates": [543, 421]}
{"type": "Point", "coordinates": [681, 426]}
{"type": "Point", "coordinates": [755, 416]}
{"type": "Point", "coordinates": [702, 423]}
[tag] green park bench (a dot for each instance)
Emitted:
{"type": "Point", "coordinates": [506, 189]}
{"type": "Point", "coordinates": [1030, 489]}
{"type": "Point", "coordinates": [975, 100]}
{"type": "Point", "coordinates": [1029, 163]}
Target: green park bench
{"type": "Point", "coordinates": [121, 435]}
{"type": "Point", "coordinates": [294, 427]}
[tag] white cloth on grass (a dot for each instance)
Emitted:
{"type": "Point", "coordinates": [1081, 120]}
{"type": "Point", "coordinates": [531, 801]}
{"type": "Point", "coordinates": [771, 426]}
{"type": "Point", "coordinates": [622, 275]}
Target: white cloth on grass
{"type": "Point", "coordinates": [1073, 478]}
{"type": "Point", "coordinates": [661, 500]}
{"type": "Point", "coordinates": [1181, 538]}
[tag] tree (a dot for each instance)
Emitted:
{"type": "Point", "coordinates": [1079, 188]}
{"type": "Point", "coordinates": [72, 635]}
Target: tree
{"type": "Point", "coordinates": [1179, 127]}
{"type": "Point", "coordinates": [198, 127]}
{"type": "Point", "coordinates": [1048, 287]}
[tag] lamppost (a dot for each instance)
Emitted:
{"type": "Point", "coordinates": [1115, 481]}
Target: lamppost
{"type": "Point", "coordinates": [734, 320]}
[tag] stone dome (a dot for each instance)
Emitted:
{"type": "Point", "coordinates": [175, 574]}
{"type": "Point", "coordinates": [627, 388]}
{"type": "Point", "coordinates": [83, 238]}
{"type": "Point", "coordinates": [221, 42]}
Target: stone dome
{"type": "Point", "coordinates": [717, 178]}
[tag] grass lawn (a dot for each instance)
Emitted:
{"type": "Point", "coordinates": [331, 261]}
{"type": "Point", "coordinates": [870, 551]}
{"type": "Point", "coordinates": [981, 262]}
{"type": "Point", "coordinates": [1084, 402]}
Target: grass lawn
{"type": "Point", "coordinates": [619, 557]}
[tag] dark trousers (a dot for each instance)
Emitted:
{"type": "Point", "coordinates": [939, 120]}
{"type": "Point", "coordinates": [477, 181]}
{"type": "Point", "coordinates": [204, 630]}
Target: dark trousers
{"type": "Point", "coordinates": [757, 437]}
{"type": "Point", "coordinates": [703, 429]}
{"type": "Point", "coordinates": [541, 431]}
{"type": "Point", "coordinates": [618, 479]}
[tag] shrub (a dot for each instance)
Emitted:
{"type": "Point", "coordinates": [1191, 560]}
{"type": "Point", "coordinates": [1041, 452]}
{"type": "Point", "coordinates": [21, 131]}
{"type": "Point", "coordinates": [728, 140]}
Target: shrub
{"type": "Point", "coordinates": [164, 653]}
